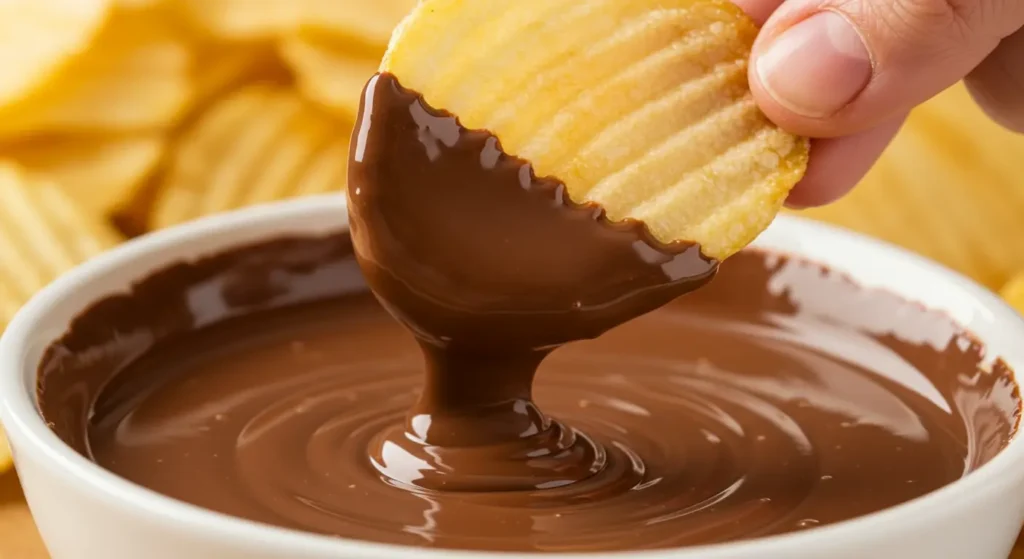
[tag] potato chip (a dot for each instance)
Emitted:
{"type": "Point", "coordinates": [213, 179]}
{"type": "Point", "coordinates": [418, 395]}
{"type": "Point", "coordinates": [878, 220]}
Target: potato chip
{"type": "Point", "coordinates": [331, 72]}
{"type": "Point", "coordinates": [225, 67]}
{"type": "Point", "coordinates": [100, 173]}
{"type": "Point", "coordinates": [138, 4]}
{"type": "Point", "coordinates": [43, 233]}
{"type": "Point", "coordinates": [642, 107]}
{"type": "Point", "coordinates": [38, 36]}
{"type": "Point", "coordinates": [262, 143]}
{"type": "Point", "coordinates": [948, 187]}
{"type": "Point", "coordinates": [136, 75]}
{"type": "Point", "coordinates": [370, 22]}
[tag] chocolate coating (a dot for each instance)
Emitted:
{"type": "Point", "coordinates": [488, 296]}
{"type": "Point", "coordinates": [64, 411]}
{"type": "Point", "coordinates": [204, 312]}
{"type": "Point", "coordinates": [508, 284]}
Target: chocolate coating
{"type": "Point", "coordinates": [491, 268]}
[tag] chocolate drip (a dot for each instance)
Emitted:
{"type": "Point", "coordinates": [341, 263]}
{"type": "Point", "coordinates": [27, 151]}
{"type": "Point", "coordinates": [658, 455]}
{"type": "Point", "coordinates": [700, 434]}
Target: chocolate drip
{"type": "Point", "coordinates": [491, 268]}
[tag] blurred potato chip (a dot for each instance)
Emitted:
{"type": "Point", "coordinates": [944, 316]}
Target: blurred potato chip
{"type": "Point", "coordinates": [43, 233]}
{"type": "Point", "coordinates": [102, 174]}
{"type": "Point", "coordinates": [135, 75]}
{"type": "Point", "coordinates": [949, 187]}
{"type": "Point", "coordinates": [5, 452]}
{"type": "Point", "coordinates": [371, 22]}
{"type": "Point", "coordinates": [239, 19]}
{"type": "Point", "coordinates": [138, 4]}
{"type": "Point", "coordinates": [641, 107]}
{"type": "Point", "coordinates": [260, 144]}
{"type": "Point", "coordinates": [38, 36]}
{"type": "Point", "coordinates": [1013, 292]}
{"type": "Point", "coordinates": [222, 67]}
{"type": "Point", "coordinates": [330, 71]}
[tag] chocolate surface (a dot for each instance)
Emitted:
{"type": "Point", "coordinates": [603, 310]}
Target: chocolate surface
{"type": "Point", "coordinates": [777, 398]}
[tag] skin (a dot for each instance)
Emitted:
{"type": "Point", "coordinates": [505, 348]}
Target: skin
{"type": "Point", "coordinates": [893, 56]}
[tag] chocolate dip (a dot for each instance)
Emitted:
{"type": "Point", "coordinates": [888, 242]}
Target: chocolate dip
{"type": "Point", "coordinates": [777, 398]}
{"type": "Point", "coordinates": [269, 383]}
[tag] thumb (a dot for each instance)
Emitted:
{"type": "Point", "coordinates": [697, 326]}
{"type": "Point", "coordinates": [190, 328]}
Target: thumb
{"type": "Point", "coordinates": [828, 68]}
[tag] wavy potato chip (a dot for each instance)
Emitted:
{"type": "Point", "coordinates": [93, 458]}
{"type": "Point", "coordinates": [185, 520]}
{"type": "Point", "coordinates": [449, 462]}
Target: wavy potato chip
{"type": "Point", "coordinates": [43, 233]}
{"type": "Point", "coordinates": [222, 68]}
{"type": "Point", "coordinates": [371, 23]}
{"type": "Point", "coordinates": [38, 36]}
{"type": "Point", "coordinates": [135, 75]}
{"type": "Point", "coordinates": [101, 173]}
{"type": "Point", "coordinates": [331, 72]}
{"type": "Point", "coordinates": [239, 19]}
{"type": "Point", "coordinates": [642, 107]}
{"type": "Point", "coordinates": [262, 143]}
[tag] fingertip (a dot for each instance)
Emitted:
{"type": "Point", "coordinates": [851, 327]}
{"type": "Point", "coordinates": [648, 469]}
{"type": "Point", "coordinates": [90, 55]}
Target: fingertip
{"type": "Point", "coordinates": [807, 66]}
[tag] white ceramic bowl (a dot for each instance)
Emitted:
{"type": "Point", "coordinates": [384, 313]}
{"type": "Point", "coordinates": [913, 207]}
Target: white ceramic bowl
{"type": "Point", "coordinates": [85, 512]}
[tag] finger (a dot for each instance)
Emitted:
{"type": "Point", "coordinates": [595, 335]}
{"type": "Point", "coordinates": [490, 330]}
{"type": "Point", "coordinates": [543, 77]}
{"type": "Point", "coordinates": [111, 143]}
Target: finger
{"type": "Point", "coordinates": [829, 68]}
{"type": "Point", "coordinates": [998, 83]}
{"type": "Point", "coordinates": [758, 10]}
{"type": "Point", "coordinates": [838, 164]}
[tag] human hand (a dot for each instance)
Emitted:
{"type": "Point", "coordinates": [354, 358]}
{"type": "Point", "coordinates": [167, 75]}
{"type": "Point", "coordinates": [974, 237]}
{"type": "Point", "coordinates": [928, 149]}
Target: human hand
{"type": "Point", "coordinates": [847, 73]}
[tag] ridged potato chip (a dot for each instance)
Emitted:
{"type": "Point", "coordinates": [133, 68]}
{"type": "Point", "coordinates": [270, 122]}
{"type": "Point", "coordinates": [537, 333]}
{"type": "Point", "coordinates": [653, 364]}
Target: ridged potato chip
{"type": "Point", "coordinates": [222, 68]}
{"type": "Point", "coordinates": [134, 76]}
{"type": "Point", "coordinates": [330, 71]}
{"type": "Point", "coordinates": [43, 233]}
{"type": "Point", "coordinates": [370, 22]}
{"type": "Point", "coordinates": [642, 107]}
{"type": "Point", "coordinates": [260, 144]}
{"type": "Point", "coordinates": [38, 36]}
{"type": "Point", "coordinates": [101, 173]}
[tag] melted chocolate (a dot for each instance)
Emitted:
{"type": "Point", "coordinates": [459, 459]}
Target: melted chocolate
{"type": "Point", "coordinates": [254, 382]}
{"type": "Point", "coordinates": [491, 268]}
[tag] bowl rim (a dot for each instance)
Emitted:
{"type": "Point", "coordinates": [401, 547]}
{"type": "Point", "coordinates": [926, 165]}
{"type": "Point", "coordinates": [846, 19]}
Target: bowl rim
{"type": "Point", "coordinates": [30, 434]}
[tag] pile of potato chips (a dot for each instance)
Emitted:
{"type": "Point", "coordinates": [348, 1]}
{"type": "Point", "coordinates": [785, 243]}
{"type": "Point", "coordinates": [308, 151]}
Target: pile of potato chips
{"type": "Point", "coordinates": [122, 116]}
